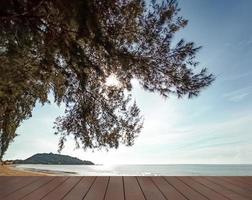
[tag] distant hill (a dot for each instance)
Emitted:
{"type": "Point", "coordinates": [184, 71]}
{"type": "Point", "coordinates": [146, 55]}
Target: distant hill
{"type": "Point", "coordinates": [53, 159]}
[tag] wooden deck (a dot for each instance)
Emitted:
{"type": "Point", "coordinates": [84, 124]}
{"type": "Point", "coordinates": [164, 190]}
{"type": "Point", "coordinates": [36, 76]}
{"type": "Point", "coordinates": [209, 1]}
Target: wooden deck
{"type": "Point", "coordinates": [126, 188]}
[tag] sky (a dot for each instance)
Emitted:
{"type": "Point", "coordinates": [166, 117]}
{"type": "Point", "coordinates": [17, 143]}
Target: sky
{"type": "Point", "coordinates": [214, 128]}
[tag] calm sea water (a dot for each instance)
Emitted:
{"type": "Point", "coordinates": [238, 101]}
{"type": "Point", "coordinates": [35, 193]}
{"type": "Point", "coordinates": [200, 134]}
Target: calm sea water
{"type": "Point", "coordinates": [147, 170]}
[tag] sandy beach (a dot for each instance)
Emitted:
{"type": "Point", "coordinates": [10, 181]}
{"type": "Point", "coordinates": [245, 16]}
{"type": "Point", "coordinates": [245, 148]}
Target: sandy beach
{"type": "Point", "coordinates": [8, 170]}
{"type": "Point", "coordinates": [12, 170]}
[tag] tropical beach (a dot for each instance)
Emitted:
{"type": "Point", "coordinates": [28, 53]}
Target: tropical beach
{"type": "Point", "coordinates": [125, 100]}
{"type": "Point", "coordinates": [8, 170]}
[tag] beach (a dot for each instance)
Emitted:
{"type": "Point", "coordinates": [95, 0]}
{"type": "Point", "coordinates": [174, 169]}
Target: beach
{"type": "Point", "coordinates": [9, 170]}
{"type": "Point", "coordinates": [140, 170]}
{"type": "Point", "coordinates": [125, 170]}
{"type": "Point", "coordinates": [13, 170]}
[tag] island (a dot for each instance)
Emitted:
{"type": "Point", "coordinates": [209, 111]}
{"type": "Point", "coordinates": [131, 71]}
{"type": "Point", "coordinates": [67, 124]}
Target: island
{"type": "Point", "coordinates": [52, 159]}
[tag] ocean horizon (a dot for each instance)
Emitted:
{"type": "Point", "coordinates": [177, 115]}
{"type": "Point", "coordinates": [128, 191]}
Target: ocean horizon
{"type": "Point", "coordinates": [144, 169]}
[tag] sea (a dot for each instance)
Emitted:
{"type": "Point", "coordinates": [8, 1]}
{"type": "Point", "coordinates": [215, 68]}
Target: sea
{"type": "Point", "coordinates": [144, 170]}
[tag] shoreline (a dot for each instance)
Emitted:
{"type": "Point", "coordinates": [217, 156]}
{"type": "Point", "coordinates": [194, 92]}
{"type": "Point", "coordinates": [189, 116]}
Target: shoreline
{"type": "Point", "coordinates": [12, 170]}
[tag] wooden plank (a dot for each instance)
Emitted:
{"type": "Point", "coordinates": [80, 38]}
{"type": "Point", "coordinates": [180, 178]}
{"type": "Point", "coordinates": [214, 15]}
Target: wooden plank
{"type": "Point", "coordinates": [2, 178]}
{"type": "Point", "coordinates": [9, 181]}
{"type": "Point", "coordinates": [28, 189]}
{"type": "Point", "coordinates": [245, 180]}
{"type": "Point", "coordinates": [81, 189]}
{"type": "Point", "coordinates": [63, 189]}
{"type": "Point", "coordinates": [237, 182]}
{"type": "Point", "coordinates": [10, 188]}
{"type": "Point", "coordinates": [187, 191]}
{"type": "Point", "coordinates": [246, 177]}
{"type": "Point", "coordinates": [126, 188]}
{"type": "Point", "coordinates": [221, 190]}
{"type": "Point", "coordinates": [115, 189]}
{"type": "Point", "coordinates": [151, 192]}
{"type": "Point", "coordinates": [45, 189]}
{"type": "Point", "coordinates": [168, 191]}
{"type": "Point", "coordinates": [132, 189]}
{"type": "Point", "coordinates": [98, 189]}
{"type": "Point", "coordinates": [210, 194]}
{"type": "Point", "coordinates": [239, 190]}
{"type": "Point", "coordinates": [6, 179]}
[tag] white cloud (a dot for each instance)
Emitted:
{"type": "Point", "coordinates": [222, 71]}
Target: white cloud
{"type": "Point", "coordinates": [238, 95]}
{"type": "Point", "coordinates": [173, 133]}
{"type": "Point", "coordinates": [235, 77]}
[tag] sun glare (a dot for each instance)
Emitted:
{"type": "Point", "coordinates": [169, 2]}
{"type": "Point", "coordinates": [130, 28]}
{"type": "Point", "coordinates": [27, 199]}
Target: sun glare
{"type": "Point", "coordinates": [112, 80]}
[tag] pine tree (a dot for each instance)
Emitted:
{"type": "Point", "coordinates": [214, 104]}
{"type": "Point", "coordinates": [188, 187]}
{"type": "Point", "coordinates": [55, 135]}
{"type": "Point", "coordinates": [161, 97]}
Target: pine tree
{"type": "Point", "coordinates": [70, 48]}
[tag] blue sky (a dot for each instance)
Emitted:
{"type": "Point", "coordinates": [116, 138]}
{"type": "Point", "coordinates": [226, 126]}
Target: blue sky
{"type": "Point", "coordinates": [213, 128]}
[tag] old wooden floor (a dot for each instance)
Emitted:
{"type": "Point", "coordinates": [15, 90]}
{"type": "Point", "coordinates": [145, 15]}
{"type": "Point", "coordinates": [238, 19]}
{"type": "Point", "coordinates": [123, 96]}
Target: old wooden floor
{"type": "Point", "coordinates": [126, 188]}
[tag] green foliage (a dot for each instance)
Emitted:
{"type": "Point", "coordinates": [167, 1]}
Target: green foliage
{"type": "Point", "coordinates": [53, 159]}
{"type": "Point", "coordinates": [71, 47]}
